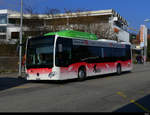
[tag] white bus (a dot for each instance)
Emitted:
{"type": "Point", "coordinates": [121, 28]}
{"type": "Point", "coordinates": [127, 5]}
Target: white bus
{"type": "Point", "coordinates": [71, 54]}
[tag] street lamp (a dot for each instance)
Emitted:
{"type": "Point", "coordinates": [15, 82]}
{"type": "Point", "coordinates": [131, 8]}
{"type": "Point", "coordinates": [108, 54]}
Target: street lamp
{"type": "Point", "coordinates": [20, 41]}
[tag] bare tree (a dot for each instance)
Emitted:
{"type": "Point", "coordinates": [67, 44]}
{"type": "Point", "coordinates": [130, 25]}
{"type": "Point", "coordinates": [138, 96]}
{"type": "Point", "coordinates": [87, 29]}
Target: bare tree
{"type": "Point", "coordinates": [92, 24]}
{"type": "Point", "coordinates": [52, 21]}
{"type": "Point", "coordinates": [78, 19]}
{"type": "Point", "coordinates": [104, 31]}
{"type": "Point", "coordinates": [69, 18]}
{"type": "Point", "coordinates": [32, 22]}
{"type": "Point", "coordinates": [51, 12]}
{"type": "Point", "coordinates": [29, 10]}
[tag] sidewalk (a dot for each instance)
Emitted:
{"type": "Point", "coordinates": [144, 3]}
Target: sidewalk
{"type": "Point", "coordinates": [11, 74]}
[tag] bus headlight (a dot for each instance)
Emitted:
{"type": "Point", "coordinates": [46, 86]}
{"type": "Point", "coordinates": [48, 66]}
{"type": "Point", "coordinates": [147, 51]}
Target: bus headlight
{"type": "Point", "coordinates": [52, 74]}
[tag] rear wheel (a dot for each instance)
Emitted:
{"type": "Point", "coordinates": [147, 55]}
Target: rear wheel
{"type": "Point", "coordinates": [118, 69]}
{"type": "Point", "coordinates": [81, 74]}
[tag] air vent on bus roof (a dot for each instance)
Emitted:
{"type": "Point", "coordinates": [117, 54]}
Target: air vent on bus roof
{"type": "Point", "coordinates": [125, 43]}
{"type": "Point", "coordinates": [105, 40]}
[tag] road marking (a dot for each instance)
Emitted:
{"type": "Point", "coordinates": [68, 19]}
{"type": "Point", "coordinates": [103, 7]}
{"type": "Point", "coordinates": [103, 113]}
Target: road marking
{"type": "Point", "coordinates": [13, 88]}
{"type": "Point", "coordinates": [133, 101]}
{"type": "Point", "coordinates": [108, 77]}
{"type": "Point", "coordinates": [122, 94]}
{"type": "Point", "coordinates": [17, 87]}
{"type": "Point", "coordinates": [21, 87]}
{"type": "Point", "coordinates": [139, 105]}
{"type": "Point", "coordinates": [142, 92]}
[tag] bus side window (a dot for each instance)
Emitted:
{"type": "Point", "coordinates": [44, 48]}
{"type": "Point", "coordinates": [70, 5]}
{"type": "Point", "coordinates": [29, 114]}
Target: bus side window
{"type": "Point", "coordinates": [67, 51]}
{"type": "Point", "coordinates": [102, 51]}
{"type": "Point", "coordinates": [128, 52]}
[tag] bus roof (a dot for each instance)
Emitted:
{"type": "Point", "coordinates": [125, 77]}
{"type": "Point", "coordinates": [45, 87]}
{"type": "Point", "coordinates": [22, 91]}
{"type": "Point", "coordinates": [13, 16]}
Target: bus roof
{"type": "Point", "coordinates": [74, 34]}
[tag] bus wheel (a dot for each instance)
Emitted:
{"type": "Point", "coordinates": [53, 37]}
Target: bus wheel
{"type": "Point", "coordinates": [118, 69]}
{"type": "Point", "coordinates": [81, 74]}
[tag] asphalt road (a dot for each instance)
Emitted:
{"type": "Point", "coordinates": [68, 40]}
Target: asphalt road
{"type": "Point", "coordinates": [129, 92]}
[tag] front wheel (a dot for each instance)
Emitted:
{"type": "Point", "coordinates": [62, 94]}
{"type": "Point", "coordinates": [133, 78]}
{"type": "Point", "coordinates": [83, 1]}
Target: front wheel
{"type": "Point", "coordinates": [81, 74]}
{"type": "Point", "coordinates": [118, 70]}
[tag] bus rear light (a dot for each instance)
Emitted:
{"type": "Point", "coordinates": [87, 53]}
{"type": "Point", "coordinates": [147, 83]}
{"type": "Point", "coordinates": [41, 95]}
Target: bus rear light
{"type": "Point", "coordinates": [52, 74]}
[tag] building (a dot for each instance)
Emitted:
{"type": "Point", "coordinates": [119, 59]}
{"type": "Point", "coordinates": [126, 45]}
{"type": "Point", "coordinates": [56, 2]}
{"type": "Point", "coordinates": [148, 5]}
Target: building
{"type": "Point", "coordinates": [37, 24]}
{"type": "Point", "coordinates": [6, 28]}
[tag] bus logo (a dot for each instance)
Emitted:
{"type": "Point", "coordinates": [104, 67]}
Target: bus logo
{"type": "Point", "coordinates": [86, 42]}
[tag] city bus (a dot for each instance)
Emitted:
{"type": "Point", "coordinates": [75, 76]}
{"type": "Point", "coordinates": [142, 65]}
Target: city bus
{"type": "Point", "coordinates": [72, 54]}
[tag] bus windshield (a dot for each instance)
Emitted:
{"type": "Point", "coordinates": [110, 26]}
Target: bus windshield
{"type": "Point", "coordinates": [40, 52]}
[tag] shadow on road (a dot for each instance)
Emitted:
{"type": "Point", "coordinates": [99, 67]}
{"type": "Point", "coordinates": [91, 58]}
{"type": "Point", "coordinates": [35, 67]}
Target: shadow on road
{"type": "Point", "coordinates": [110, 75]}
{"type": "Point", "coordinates": [65, 82]}
{"type": "Point", "coordinates": [141, 105]}
{"type": "Point", "coordinates": [9, 82]}
{"type": "Point", "coordinates": [76, 80]}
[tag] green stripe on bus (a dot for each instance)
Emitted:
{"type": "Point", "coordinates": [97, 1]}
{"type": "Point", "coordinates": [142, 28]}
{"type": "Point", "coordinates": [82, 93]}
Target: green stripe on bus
{"type": "Point", "coordinates": [74, 34]}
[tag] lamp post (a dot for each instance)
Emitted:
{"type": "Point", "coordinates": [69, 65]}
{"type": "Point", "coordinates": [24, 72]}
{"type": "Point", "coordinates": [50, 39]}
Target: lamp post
{"type": "Point", "coordinates": [145, 41]}
{"type": "Point", "coordinates": [20, 41]}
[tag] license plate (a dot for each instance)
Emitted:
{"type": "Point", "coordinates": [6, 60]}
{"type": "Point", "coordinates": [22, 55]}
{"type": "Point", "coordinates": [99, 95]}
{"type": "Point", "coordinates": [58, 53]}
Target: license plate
{"type": "Point", "coordinates": [37, 78]}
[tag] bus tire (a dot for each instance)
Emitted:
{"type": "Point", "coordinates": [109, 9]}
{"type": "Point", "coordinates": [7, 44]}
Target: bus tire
{"type": "Point", "coordinates": [81, 74]}
{"type": "Point", "coordinates": [118, 69]}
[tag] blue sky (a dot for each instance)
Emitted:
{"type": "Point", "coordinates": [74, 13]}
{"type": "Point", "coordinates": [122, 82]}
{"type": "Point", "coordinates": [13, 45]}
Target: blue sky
{"type": "Point", "coordinates": [134, 11]}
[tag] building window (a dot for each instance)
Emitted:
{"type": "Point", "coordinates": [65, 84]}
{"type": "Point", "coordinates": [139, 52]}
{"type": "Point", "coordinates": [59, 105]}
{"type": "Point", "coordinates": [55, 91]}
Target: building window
{"type": "Point", "coordinates": [119, 24]}
{"type": "Point", "coordinates": [3, 18]}
{"type": "Point", "coordinates": [14, 35]}
{"type": "Point", "coordinates": [2, 29]}
{"type": "Point", "coordinates": [2, 37]}
{"type": "Point", "coordinates": [12, 21]}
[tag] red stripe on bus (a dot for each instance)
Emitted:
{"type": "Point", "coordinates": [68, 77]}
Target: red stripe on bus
{"type": "Point", "coordinates": [39, 70]}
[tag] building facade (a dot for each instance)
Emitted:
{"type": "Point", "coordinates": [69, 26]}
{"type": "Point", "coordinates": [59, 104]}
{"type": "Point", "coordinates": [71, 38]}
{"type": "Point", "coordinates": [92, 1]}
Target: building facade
{"type": "Point", "coordinates": [6, 28]}
{"type": "Point", "coordinates": [90, 21]}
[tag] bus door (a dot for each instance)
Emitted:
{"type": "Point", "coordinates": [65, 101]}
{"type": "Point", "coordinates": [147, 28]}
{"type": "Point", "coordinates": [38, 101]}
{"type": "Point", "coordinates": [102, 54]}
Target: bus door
{"type": "Point", "coordinates": [64, 56]}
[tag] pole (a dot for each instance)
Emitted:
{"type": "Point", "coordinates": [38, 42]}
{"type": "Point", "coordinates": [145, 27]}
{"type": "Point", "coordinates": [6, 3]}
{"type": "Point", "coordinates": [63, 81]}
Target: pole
{"type": "Point", "coordinates": [20, 42]}
{"type": "Point", "coordinates": [145, 54]}
{"type": "Point", "coordinates": [145, 44]}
